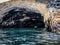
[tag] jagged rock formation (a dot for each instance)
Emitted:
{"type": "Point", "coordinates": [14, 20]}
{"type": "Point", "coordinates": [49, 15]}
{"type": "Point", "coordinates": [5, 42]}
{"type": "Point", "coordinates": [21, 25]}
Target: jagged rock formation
{"type": "Point", "coordinates": [34, 6]}
{"type": "Point", "coordinates": [54, 9]}
{"type": "Point", "coordinates": [31, 4]}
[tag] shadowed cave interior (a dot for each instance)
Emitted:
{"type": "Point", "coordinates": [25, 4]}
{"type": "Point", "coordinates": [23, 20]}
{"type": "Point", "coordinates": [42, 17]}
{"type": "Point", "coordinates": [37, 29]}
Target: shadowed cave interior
{"type": "Point", "coordinates": [22, 18]}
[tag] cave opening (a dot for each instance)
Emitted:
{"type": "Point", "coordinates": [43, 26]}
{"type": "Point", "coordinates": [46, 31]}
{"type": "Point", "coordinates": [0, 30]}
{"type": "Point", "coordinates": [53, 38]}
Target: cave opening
{"type": "Point", "coordinates": [21, 18]}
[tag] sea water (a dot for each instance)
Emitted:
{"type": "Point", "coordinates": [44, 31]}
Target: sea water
{"type": "Point", "coordinates": [27, 36]}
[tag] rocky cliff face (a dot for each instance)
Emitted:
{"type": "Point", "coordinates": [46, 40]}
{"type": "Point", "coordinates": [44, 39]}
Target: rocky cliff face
{"type": "Point", "coordinates": [14, 12]}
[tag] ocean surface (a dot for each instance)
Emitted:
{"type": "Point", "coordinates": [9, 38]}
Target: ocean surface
{"type": "Point", "coordinates": [27, 36]}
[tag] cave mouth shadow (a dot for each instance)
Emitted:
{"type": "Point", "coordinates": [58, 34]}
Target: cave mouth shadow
{"type": "Point", "coordinates": [22, 18]}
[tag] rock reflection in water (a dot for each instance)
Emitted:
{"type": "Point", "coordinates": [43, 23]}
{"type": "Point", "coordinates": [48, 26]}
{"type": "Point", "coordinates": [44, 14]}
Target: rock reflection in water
{"type": "Point", "coordinates": [22, 36]}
